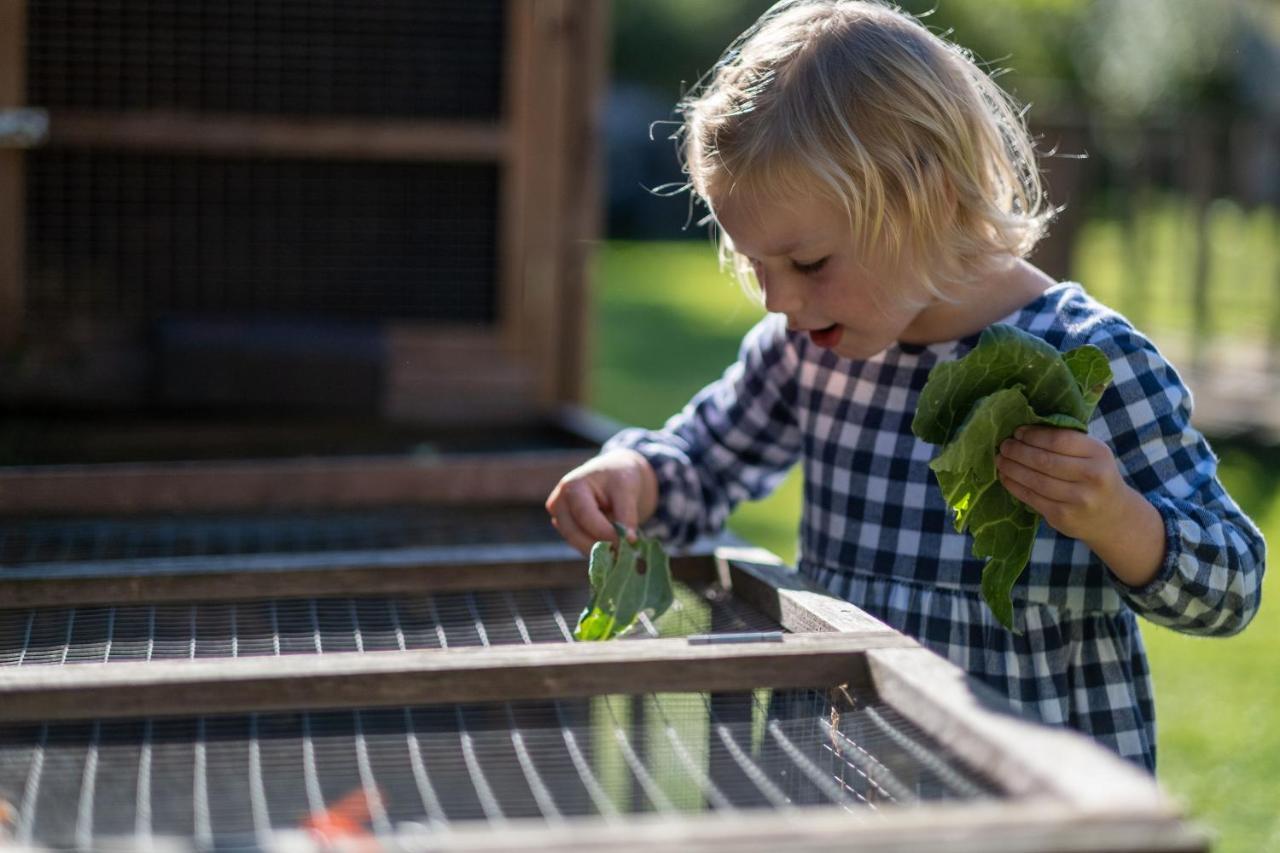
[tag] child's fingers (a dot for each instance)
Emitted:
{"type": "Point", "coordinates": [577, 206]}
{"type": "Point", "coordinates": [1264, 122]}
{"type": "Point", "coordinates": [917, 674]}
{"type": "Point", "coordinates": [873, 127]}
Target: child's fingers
{"type": "Point", "coordinates": [1068, 442]}
{"type": "Point", "coordinates": [571, 533]}
{"type": "Point", "coordinates": [1050, 462]}
{"type": "Point", "coordinates": [623, 503]}
{"type": "Point", "coordinates": [1046, 506]}
{"type": "Point", "coordinates": [587, 513]}
{"type": "Point", "coordinates": [1045, 485]}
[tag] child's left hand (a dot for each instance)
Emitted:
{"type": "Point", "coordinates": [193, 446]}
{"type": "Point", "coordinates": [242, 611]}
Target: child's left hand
{"type": "Point", "coordinates": [1074, 482]}
{"type": "Point", "coordinates": [1069, 477]}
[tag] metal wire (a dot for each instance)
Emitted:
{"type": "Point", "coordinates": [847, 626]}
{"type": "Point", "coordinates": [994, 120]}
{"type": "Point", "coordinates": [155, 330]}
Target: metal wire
{"type": "Point", "coordinates": [241, 779]}
{"type": "Point", "coordinates": [322, 57]}
{"type": "Point", "coordinates": [95, 634]}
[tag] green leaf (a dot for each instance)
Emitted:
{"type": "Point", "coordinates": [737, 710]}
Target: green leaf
{"type": "Point", "coordinates": [971, 405]}
{"type": "Point", "coordinates": [1005, 357]}
{"type": "Point", "coordinates": [626, 580]}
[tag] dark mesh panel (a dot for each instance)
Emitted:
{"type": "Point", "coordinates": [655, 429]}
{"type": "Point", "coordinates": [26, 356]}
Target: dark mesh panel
{"type": "Point", "coordinates": [439, 58]}
{"type": "Point", "coordinates": [136, 236]}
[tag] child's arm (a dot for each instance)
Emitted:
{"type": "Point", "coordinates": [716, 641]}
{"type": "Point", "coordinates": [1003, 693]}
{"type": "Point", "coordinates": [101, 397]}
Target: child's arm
{"type": "Point", "coordinates": [1182, 551]}
{"type": "Point", "coordinates": [735, 440]}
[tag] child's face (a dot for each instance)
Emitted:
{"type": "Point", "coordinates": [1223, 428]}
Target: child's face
{"type": "Point", "coordinates": [810, 269]}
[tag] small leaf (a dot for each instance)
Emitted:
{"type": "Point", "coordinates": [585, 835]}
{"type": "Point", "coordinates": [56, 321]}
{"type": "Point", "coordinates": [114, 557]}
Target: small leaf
{"type": "Point", "coordinates": [626, 580]}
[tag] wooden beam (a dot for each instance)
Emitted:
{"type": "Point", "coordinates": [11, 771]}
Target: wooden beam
{"type": "Point", "coordinates": [1033, 826]}
{"type": "Point", "coordinates": [471, 568]}
{"type": "Point", "coordinates": [294, 137]}
{"type": "Point", "coordinates": [13, 93]}
{"type": "Point", "coordinates": [1025, 757]}
{"type": "Point", "coordinates": [763, 581]}
{"type": "Point", "coordinates": [433, 676]}
{"type": "Point", "coordinates": [458, 479]}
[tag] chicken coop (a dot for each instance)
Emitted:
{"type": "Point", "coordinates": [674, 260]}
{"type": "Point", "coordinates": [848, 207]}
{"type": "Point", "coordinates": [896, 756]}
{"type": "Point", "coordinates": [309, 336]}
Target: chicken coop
{"type": "Point", "coordinates": [292, 302]}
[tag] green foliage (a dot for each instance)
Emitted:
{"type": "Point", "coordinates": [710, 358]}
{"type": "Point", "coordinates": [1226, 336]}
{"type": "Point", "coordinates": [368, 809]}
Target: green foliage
{"type": "Point", "coordinates": [626, 580]}
{"type": "Point", "coordinates": [971, 405]}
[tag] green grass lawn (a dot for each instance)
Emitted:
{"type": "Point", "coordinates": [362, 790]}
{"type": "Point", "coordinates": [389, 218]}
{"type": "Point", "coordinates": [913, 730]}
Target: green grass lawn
{"type": "Point", "coordinates": [667, 322]}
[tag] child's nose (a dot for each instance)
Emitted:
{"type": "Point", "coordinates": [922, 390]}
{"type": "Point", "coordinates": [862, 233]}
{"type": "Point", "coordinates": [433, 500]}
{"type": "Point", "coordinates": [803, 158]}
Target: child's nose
{"type": "Point", "coordinates": [780, 295]}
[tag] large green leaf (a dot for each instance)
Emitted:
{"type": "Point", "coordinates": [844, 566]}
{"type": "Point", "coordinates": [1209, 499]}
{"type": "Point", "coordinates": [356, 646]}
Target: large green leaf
{"type": "Point", "coordinates": [1004, 357]}
{"type": "Point", "coordinates": [626, 580]}
{"type": "Point", "coordinates": [971, 405]}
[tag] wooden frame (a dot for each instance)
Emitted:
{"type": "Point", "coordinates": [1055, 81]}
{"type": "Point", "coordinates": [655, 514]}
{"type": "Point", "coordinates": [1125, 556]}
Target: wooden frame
{"type": "Point", "coordinates": [545, 145]}
{"type": "Point", "coordinates": [1060, 791]}
{"type": "Point", "coordinates": [337, 481]}
{"type": "Point", "coordinates": [13, 89]}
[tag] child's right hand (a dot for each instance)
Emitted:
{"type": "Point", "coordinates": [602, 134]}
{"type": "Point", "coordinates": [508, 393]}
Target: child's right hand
{"type": "Point", "coordinates": [618, 485]}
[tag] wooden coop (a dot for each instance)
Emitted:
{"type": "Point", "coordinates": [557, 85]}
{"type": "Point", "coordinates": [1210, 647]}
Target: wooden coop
{"type": "Point", "coordinates": [291, 307]}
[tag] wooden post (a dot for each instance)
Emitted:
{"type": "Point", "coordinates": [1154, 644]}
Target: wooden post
{"type": "Point", "coordinates": [13, 92]}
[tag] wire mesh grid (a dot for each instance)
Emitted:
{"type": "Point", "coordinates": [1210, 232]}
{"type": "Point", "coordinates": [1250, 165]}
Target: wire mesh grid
{"type": "Point", "coordinates": [28, 541]}
{"type": "Point", "coordinates": [242, 781]}
{"type": "Point", "coordinates": [70, 635]}
{"type": "Point", "coordinates": [138, 237]}
{"type": "Point", "coordinates": [320, 57]}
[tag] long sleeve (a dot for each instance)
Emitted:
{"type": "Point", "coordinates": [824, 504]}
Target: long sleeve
{"type": "Point", "coordinates": [734, 440]}
{"type": "Point", "coordinates": [1211, 579]}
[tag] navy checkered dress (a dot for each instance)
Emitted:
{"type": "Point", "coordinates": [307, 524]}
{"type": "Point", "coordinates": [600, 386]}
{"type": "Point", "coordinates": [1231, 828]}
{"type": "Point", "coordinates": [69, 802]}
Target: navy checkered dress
{"type": "Point", "coordinates": [875, 529]}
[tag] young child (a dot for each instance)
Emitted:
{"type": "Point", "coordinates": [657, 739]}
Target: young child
{"type": "Point", "coordinates": [880, 193]}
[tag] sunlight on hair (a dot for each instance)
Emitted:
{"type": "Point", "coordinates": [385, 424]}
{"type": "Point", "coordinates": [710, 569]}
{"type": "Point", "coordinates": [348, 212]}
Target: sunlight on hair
{"type": "Point", "coordinates": [855, 101]}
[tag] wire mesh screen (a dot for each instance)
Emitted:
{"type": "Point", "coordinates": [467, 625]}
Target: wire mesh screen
{"type": "Point", "coordinates": [34, 541]}
{"type": "Point", "coordinates": [136, 237]}
{"type": "Point", "coordinates": [69, 635]}
{"type": "Point", "coordinates": [240, 781]}
{"type": "Point", "coordinates": [322, 57]}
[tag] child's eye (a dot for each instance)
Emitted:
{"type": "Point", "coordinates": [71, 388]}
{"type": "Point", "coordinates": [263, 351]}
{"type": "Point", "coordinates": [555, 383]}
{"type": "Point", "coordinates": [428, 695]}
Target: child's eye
{"type": "Point", "coordinates": [810, 267]}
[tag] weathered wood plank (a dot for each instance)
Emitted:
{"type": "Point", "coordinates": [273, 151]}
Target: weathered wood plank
{"type": "Point", "coordinates": [1025, 757]}
{"type": "Point", "coordinates": [762, 580]}
{"type": "Point", "coordinates": [351, 680]}
{"type": "Point", "coordinates": [466, 568]}
{"type": "Point", "coordinates": [316, 482]}
{"type": "Point", "coordinates": [1031, 826]}
{"type": "Point", "coordinates": [13, 93]}
{"type": "Point", "coordinates": [270, 136]}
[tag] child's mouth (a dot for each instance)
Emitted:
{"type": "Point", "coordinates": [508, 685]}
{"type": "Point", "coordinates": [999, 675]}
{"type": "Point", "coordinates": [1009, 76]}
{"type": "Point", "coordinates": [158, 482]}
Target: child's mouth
{"type": "Point", "coordinates": [829, 337]}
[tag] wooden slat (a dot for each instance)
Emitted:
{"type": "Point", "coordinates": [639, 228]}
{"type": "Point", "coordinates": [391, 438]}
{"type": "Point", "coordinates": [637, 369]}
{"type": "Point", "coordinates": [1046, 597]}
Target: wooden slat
{"type": "Point", "coordinates": [13, 66]}
{"type": "Point", "coordinates": [517, 175]}
{"type": "Point", "coordinates": [585, 83]}
{"type": "Point", "coordinates": [285, 484]}
{"type": "Point", "coordinates": [1032, 826]}
{"type": "Point", "coordinates": [293, 137]}
{"type": "Point", "coordinates": [451, 376]}
{"type": "Point", "coordinates": [538, 305]}
{"type": "Point", "coordinates": [354, 680]}
{"type": "Point", "coordinates": [760, 579]}
{"type": "Point", "coordinates": [314, 575]}
{"type": "Point", "coordinates": [1026, 758]}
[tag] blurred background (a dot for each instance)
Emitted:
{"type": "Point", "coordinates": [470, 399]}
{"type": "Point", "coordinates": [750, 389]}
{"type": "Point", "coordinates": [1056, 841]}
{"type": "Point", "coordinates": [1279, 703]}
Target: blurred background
{"type": "Point", "coordinates": [1159, 126]}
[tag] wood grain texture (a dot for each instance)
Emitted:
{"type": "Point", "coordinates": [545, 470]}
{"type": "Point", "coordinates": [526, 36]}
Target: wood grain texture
{"type": "Point", "coordinates": [473, 568]}
{"type": "Point", "coordinates": [351, 680]}
{"type": "Point", "coordinates": [13, 93]}
{"type": "Point", "coordinates": [759, 578]}
{"type": "Point", "coordinates": [1032, 826]}
{"type": "Point", "coordinates": [340, 482]}
{"type": "Point", "coordinates": [273, 136]}
{"type": "Point", "coordinates": [1025, 757]}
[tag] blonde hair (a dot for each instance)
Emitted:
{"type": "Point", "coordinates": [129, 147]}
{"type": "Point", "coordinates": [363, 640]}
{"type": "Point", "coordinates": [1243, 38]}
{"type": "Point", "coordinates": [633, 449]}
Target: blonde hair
{"type": "Point", "coordinates": [858, 101]}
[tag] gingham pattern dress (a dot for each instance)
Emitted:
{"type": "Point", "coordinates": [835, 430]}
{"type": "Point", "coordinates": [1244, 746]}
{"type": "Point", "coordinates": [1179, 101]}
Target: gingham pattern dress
{"type": "Point", "coordinates": [875, 529]}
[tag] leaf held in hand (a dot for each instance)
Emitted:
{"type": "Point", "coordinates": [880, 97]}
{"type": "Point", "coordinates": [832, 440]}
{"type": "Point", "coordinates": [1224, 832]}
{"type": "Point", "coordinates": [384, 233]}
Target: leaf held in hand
{"type": "Point", "coordinates": [971, 405]}
{"type": "Point", "coordinates": [626, 580]}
